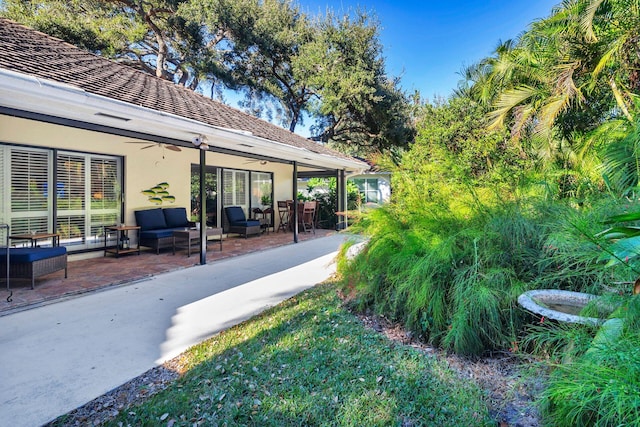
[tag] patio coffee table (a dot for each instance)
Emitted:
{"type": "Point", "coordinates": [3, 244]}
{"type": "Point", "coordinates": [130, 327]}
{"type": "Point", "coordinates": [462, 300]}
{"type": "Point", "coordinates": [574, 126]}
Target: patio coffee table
{"type": "Point", "coordinates": [184, 239]}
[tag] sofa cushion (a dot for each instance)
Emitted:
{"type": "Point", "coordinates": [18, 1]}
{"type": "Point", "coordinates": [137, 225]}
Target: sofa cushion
{"type": "Point", "coordinates": [248, 223]}
{"type": "Point", "coordinates": [150, 219]}
{"type": "Point", "coordinates": [176, 217]}
{"type": "Point", "coordinates": [27, 255]}
{"type": "Point", "coordinates": [159, 234]}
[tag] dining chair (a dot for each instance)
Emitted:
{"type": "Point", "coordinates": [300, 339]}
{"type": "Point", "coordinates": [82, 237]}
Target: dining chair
{"type": "Point", "coordinates": [308, 216]}
{"type": "Point", "coordinates": [283, 214]}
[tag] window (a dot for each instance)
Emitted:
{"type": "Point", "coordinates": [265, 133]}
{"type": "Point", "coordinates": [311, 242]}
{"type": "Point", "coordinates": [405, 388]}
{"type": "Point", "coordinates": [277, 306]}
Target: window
{"type": "Point", "coordinates": [105, 195]}
{"type": "Point", "coordinates": [246, 189]}
{"type": "Point", "coordinates": [369, 189]}
{"type": "Point", "coordinates": [86, 189]}
{"type": "Point", "coordinates": [261, 190]}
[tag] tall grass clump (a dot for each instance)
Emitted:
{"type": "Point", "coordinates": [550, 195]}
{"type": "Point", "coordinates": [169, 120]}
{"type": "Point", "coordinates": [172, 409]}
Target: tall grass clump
{"type": "Point", "coordinates": [473, 224]}
{"type": "Point", "coordinates": [454, 280]}
{"type": "Point", "coordinates": [572, 251]}
{"type": "Point", "coordinates": [601, 387]}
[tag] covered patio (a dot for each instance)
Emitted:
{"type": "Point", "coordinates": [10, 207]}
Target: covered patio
{"type": "Point", "coordinates": [95, 274]}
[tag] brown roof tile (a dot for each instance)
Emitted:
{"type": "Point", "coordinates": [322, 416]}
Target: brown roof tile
{"type": "Point", "coordinates": [33, 53]}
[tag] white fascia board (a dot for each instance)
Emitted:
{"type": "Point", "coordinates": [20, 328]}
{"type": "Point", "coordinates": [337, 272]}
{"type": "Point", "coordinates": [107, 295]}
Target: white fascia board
{"type": "Point", "coordinates": [32, 94]}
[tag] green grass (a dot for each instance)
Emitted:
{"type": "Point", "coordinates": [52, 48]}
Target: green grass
{"type": "Point", "coordinates": [309, 361]}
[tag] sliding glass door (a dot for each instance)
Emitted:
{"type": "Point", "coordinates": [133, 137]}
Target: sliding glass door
{"type": "Point", "coordinates": [211, 190]}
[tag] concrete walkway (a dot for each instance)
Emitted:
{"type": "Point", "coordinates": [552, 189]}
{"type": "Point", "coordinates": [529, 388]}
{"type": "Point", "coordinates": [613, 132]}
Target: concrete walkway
{"type": "Point", "coordinates": [58, 357]}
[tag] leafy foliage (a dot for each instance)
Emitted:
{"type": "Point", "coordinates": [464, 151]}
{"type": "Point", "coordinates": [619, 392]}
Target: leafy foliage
{"type": "Point", "coordinates": [324, 190]}
{"type": "Point", "coordinates": [459, 242]}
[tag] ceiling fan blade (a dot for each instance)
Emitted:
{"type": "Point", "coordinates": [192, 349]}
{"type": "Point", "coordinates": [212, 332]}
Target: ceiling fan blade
{"type": "Point", "coordinates": [173, 148]}
{"type": "Point", "coordinates": [148, 146]}
{"type": "Point", "coordinates": [262, 162]}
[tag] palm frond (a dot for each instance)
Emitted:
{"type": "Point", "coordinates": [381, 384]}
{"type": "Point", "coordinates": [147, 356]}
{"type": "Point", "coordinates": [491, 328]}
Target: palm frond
{"type": "Point", "coordinates": [565, 83]}
{"type": "Point", "coordinates": [549, 112]}
{"type": "Point", "coordinates": [617, 94]}
{"type": "Point", "coordinates": [606, 58]}
{"type": "Point", "coordinates": [586, 23]}
{"type": "Point", "coordinates": [507, 102]}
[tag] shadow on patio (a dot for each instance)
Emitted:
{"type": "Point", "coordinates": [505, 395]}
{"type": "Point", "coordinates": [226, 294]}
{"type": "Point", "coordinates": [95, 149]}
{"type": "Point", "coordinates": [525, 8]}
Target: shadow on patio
{"type": "Point", "coordinates": [92, 274]}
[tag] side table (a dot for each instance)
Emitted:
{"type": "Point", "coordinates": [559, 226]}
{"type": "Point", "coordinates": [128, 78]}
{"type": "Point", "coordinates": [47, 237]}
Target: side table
{"type": "Point", "coordinates": [123, 242]}
{"type": "Point", "coordinates": [264, 216]}
{"type": "Point", "coordinates": [34, 237]}
{"type": "Point", "coordinates": [184, 239]}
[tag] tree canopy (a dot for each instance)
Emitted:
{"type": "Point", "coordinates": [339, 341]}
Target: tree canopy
{"type": "Point", "coordinates": [327, 68]}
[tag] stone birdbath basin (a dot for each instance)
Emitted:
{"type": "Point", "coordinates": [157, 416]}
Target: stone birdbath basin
{"type": "Point", "coordinates": [563, 306]}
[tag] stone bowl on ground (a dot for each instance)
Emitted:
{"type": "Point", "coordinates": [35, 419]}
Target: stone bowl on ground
{"type": "Point", "coordinates": [563, 306]}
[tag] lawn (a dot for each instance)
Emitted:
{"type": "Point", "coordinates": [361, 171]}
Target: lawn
{"type": "Point", "coordinates": [308, 361]}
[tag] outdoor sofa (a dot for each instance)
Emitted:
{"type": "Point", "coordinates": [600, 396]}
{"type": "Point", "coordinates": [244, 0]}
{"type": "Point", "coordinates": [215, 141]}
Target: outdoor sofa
{"type": "Point", "coordinates": [29, 263]}
{"type": "Point", "coordinates": [157, 226]}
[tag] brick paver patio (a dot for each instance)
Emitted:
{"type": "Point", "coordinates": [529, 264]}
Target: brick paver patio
{"type": "Point", "coordinates": [92, 274]}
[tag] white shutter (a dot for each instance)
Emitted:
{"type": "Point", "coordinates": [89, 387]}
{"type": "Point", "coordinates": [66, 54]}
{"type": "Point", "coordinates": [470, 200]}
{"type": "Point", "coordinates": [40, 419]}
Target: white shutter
{"type": "Point", "coordinates": [241, 187]}
{"type": "Point", "coordinates": [228, 185]}
{"type": "Point", "coordinates": [29, 191]}
{"type": "Point", "coordinates": [105, 197]}
{"type": "Point", "coordinates": [235, 188]}
{"type": "Point", "coordinates": [4, 195]}
{"type": "Point", "coordinates": [71, 192]}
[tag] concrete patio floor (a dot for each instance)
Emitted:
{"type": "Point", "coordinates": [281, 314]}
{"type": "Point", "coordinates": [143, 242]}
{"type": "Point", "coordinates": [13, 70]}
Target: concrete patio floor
{"type": "Point", "coordinates": [87, 275]}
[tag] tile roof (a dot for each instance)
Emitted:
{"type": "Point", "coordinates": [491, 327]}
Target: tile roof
{"type": "Point", "coordinates": [37, 54]}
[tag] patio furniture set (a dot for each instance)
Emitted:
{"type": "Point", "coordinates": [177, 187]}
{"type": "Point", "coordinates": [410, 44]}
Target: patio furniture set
{"type": "Point", "coordinates": [157, 228]}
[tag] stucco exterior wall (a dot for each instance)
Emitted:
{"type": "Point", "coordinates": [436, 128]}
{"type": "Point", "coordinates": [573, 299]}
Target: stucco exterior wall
{"type": "Point", "coordinates": [143, 168]}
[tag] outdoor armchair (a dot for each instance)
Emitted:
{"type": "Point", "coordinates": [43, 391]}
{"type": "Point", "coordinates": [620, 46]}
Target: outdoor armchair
{"type": "Point", "coordinates": [238, 222]}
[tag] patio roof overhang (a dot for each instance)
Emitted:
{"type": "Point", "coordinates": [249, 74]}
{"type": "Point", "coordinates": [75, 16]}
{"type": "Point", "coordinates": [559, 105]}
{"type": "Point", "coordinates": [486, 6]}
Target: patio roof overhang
{"type": "Point", "coordinates": [30, 97]}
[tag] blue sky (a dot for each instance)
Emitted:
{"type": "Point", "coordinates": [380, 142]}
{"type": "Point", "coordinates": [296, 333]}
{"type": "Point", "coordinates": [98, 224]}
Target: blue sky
{"type": "Point", "coordinates": [427, 43]}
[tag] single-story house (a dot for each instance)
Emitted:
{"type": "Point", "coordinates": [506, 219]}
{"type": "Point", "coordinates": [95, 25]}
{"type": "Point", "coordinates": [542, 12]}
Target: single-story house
{"type": "Point", "coordinates": [86, 141]}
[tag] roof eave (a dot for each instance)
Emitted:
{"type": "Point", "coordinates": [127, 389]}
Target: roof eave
{"type": "Point", "coordinates": [28, 93]}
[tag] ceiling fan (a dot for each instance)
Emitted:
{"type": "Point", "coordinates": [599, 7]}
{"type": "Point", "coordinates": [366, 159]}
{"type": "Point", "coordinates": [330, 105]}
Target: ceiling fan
{"type": "Point", "coordinates": [156, 144]}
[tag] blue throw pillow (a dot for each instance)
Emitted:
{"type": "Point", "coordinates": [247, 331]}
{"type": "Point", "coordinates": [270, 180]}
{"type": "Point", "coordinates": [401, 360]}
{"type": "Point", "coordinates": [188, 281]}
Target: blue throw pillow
{"type": "Point", "coordinates": [150, 219]}
{"type": "Point", "coordinates": [176, 217]}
